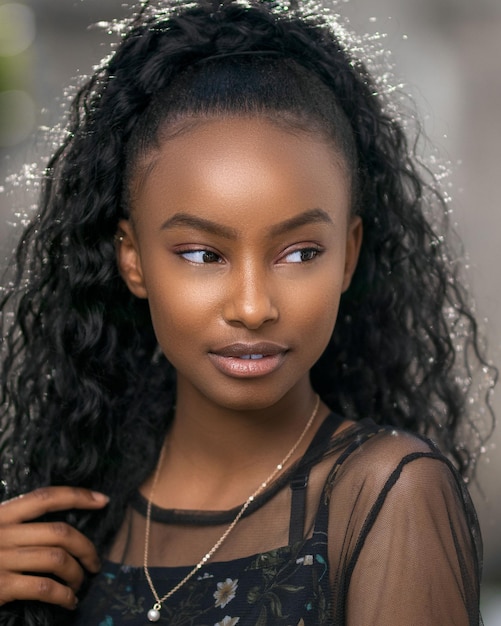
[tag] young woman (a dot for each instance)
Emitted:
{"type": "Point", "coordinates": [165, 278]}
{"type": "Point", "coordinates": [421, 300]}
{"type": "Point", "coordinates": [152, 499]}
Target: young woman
{"type": "Point", "coordinates": [235, 315]}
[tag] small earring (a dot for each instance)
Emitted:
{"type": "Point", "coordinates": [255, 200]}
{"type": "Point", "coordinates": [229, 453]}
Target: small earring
{"type": "Point", "coordinates": [119, 238]}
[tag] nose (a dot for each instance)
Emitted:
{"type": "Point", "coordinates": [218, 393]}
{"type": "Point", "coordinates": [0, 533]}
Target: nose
{"type": "Point", "coordinates": [250, 300]}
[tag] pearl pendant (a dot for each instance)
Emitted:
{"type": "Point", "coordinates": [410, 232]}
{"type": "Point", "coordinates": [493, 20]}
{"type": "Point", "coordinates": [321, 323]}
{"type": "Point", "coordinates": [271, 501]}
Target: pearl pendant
{"type": "Point", "coordinates": [153, 615]}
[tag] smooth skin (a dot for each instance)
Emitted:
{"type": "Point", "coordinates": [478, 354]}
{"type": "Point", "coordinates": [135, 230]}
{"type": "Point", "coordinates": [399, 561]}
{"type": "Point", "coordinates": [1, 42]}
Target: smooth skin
{"type": "Point", "coordinates": [240, 234]}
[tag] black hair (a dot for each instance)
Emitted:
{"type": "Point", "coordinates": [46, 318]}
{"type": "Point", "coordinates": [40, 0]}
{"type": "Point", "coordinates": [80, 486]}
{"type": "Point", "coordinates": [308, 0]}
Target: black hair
{"type": "Point", "coordinates": [261, 82]}
{"type": "Point", "coordinates": [83, 386]}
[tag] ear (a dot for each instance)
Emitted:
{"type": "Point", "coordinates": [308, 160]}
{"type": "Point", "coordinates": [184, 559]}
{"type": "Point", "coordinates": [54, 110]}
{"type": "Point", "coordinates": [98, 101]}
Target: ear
{"type": "Point", "coordinates": [353, 245]}
{"type": "Point", "coordinates": [129, 260]}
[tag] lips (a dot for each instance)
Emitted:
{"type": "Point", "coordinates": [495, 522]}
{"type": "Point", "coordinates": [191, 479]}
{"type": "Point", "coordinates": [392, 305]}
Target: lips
{"type": "Point", "coordinates": [248, 360]}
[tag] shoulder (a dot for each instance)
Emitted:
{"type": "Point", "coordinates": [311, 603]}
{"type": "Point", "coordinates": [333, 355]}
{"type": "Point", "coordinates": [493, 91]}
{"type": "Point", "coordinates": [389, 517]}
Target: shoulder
{"type": "Point", "coordinates": [380, 460]}
{"type": "Point", "coordinates": [397, 479]}
{"type": "Point", "coordinates": [384, 448]}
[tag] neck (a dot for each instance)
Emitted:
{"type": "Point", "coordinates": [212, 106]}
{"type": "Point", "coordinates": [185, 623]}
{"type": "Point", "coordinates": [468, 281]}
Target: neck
{"type": "Point", "coordinates": [212, 446]}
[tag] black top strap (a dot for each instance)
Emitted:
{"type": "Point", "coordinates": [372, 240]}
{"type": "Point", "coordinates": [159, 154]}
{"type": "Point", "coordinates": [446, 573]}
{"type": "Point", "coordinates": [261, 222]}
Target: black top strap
{"type": "Point", "coordinates": [299, 481]}
{"type": "Point", "coordinates": [298, 507]}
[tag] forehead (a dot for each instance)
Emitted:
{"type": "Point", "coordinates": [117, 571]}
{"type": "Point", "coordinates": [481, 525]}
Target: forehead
{"type": "Point", "coordinates": [241, 163]}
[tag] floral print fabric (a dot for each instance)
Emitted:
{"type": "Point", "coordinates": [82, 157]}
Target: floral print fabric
{"type": "Point", "coordinates": [285, 587]}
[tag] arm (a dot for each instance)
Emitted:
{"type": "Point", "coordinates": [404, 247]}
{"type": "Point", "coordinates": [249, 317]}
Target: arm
{"type": "Point", "coordinates": [403, 536]}
{"type": "Point", "coordinates": [416, 561]}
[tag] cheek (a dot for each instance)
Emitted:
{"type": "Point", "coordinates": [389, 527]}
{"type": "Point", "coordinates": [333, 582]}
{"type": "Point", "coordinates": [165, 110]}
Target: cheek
{"type": "Point", "coordinates": [315, 306]}
{"type": "Point", "coordinates": [181, 308]}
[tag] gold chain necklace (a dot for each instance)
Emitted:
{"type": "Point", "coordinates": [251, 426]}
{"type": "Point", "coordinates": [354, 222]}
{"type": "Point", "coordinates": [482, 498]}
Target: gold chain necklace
{"type": "Point", "coordinates": [154, 612]}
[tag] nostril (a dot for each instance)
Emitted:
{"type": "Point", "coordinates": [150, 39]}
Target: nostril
{"type": "Point", "coordinates": [250, 305]}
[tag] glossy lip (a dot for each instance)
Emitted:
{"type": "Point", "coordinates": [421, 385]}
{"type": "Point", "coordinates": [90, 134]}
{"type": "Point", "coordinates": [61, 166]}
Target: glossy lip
{"type": "Point", "coordinates": [230, 359]}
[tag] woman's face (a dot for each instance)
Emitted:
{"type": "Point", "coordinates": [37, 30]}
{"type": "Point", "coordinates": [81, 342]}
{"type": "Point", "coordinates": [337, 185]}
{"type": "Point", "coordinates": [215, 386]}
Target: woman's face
{"type": "Point", "coordinates": [242, 241]}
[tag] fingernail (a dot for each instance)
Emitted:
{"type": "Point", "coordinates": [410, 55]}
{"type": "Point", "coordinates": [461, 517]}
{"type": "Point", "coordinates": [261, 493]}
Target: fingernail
{"type": "Point", "coordinates": [99, 497]}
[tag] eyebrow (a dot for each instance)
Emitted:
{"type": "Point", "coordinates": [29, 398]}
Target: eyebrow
{"type": "Point", "coordinates": [199, 223]}
{"type": "Point", "coordinates": [310, 216]}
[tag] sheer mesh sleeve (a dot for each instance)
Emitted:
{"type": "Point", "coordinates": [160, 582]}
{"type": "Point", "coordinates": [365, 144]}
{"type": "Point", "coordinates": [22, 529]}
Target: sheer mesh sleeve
{"type": "Point", "coordinates": [410, 548]}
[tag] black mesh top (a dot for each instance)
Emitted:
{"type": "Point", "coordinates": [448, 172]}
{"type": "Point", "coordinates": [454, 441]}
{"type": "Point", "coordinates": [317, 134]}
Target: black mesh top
{"type": "Point", "coordinates": [371, 527]}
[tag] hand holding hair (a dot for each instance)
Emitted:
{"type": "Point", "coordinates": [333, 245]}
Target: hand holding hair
{"type": "Point", "coordinates": [45, 549]}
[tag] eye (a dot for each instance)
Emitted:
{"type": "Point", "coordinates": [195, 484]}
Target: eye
{"type": "Point", "coordinates": [303, 255]}
{"type": "Point", "coordinates": [200, 256]}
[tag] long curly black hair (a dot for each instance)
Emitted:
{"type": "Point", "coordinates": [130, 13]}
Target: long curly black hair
{"type": "Point", "coordinates": [84, 390]}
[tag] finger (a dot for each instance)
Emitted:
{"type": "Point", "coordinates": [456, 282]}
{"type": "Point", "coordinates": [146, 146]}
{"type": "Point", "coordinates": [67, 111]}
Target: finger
{"type": "Point", "coordinates": [54, 561]}
{"type": "Point", "coordinates": [56, 534]}
{"type": "Point", "coordinates": [19, 587]}
{"type": "Point", "coordinates": [48, 499]}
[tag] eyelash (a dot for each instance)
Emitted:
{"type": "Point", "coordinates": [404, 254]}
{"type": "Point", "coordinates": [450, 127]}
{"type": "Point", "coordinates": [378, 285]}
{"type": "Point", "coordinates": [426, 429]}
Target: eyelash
{"type": "Point", "coordinates": [216, 258]}
{"type": "Point", "coordinates": [202, 251]}
{"type": "Point", "coordinates": [309, 249]}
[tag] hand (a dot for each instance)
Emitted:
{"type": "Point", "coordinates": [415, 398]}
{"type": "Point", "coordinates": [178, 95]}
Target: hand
{"type": "Point", "coordinates": [51, 548]}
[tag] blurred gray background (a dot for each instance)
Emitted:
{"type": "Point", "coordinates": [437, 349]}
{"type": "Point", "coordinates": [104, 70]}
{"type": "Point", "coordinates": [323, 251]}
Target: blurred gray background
{"type": "Point", "coordinates": [446, 52]}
